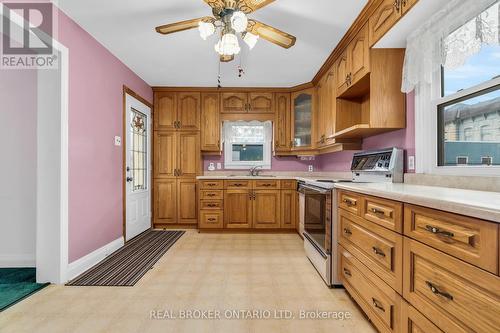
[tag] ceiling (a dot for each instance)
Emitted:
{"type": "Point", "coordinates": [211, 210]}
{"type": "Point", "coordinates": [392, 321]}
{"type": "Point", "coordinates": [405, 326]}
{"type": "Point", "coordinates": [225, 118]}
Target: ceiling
{"type": "Point", "coordinates": [126, 28]}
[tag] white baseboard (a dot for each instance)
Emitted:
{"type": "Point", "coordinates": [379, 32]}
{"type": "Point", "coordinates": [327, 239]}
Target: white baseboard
{"type": "Point", "coordinates": [81, 265]}
{"type": "Point", "coordinates": [17, 260]}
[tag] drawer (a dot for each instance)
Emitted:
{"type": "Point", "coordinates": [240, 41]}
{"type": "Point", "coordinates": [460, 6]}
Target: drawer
{"type": "Point", "coordinates": [237, 184]}
{"type": "Point", "coordinates": [266, 184]}
{"type": "Point", "coordinates": [384, 212]}
{"type": "Point", "coordinates": [381, 250]}
{"type": "Point", "coordinates": [211, 195]}
{"type": "Point", "coordinates": [211, 184]}
{"type": "Point", "coordinates": [379, 301]}
{"type": "Point", "coordinates": [415, 322]}
{"type": "Point", "coordinates": [350, 202]}
{"type": "Point", "coordinates": [212, 204]}
{"type": "Point", "coordinates": [472, 240]}
{"type": "Point", "coordinates": [288, 184]}
{"type": "Point", "coordinates": [455, 295]}
{"type": "Point", "coordinates": [211, 219]}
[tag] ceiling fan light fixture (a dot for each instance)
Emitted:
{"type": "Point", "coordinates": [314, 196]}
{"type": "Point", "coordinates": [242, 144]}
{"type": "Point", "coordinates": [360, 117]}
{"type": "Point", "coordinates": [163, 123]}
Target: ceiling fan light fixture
{"type": "Point", "coordinates": [239, 21]}
{"type": "Point", "coordinates": [206, 29]}
{"type": "Point", "coordinates": [250, 39]}
{"type": "Point", "coordinates": [228, 45]}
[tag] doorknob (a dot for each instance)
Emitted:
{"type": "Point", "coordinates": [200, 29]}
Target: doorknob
{"type": "Point", "coordinates": [129, 179]}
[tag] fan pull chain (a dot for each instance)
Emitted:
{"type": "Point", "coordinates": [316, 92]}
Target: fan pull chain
{"type": "Point", "coordinates": [219, 77]}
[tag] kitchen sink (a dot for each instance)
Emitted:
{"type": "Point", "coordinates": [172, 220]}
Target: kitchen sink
{"type": "Point", "coordinates": [248, 176]}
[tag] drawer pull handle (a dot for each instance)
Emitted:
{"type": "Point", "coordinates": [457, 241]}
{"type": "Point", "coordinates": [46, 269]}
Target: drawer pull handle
{"type": "Point", "coordinates": [347, 231]}
{"type": "Point", "coordinates": [211, 195]}
{"type": "Point", "coordinates": [378, 211]}
{"type": "Point", "coordinates": [212, 220]}
{"type": "Point", "coordinates": [347, 272]}
{"type": "Point", "coordinates": [378, 251]}
{"type": "Point", "coordinates": [267, 185]}
{"type": "Point", "coordinates": [237, 184]}
{"type": "Point", "coordinates": [377, 304]}
{"type": "Point", "coordinates": [349, 202]}
{"type": "Point", "coordinates": [435, 290]}
{"type": "Point", "coordinates": [212, 205]}
{"type": "Point", "coordinates": [437, 231]}
{"type": "Point", "coordinates": [212, 184]}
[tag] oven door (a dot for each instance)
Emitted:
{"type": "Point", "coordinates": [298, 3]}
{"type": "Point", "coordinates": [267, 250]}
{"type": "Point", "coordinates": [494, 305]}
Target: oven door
{"type": "Point", "coordinates": [317, 222]}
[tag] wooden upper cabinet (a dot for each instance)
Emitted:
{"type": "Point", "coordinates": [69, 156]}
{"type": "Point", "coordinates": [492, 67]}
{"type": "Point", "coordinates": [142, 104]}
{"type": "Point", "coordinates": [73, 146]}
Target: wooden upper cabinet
{"type": "Point", "coordinates": [165, 154]}
{"type": "Point", "coordinates": [282, 132]}
{"type": "Point", "coordinates": [237, 209]}
{"type": "Point", "coordinates": [234, 102]}
{"type": "Point", "coordinates": [188, 111]}
{"type": "Point", "coordinates": [383, 19]}
{"type": "Point", "coordinates": [210, 122]}
{"type": "Point", "coordinates": [260, 102]}
{"type": "Point", "coordinates": [165, 203]}
{"type": "Point", "coordinates": [165, 115]}
{"type": "Point", "coordinates": [188, 164]}
{"type": "Point", "coordinates": [187, 210]}
{"type": "Point", "coordinates": [341, 71]}
{"type": "Point", "coordinates": [326, 108]}
{"type": "Point", "coordinates": [303, 105]}
{"type": "Point", "coordinates": [358, 57]}
{"type": "Point", "coordinates": [266, 209]}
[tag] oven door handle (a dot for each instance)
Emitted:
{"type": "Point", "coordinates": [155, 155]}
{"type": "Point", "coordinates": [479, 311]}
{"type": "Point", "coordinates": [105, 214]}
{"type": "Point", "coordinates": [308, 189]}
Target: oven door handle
{"type": "Point", "coordinates": [314, 189]}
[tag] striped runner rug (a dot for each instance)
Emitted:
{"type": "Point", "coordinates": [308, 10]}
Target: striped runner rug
{"type": "Point", "coordinates": [128, 265]}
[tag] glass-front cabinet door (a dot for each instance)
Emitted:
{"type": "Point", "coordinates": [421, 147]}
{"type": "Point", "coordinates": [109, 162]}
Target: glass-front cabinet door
{"type": "Point", "coordinates": [302, 113]}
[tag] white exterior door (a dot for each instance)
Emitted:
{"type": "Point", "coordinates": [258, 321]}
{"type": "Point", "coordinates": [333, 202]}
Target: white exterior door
{"type": "Point", "coordinates": [138, 167]}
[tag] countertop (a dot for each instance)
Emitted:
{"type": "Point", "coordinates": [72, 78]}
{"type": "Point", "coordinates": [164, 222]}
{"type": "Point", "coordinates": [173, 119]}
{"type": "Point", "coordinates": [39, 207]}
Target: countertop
{"type": "Point", "coordinates": [479, 204]}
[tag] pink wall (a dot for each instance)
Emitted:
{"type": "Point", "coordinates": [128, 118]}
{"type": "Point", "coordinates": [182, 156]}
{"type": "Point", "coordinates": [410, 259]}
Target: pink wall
{"type": "Point", "coordinates": [96, 79]}
{"type": "Point", "coordinates": [341, 161]}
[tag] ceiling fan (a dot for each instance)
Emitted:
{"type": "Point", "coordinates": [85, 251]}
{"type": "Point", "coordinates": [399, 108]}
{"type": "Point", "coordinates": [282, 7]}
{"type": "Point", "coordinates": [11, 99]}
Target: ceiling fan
{"type": "Point", "coordinates": [230, 17]}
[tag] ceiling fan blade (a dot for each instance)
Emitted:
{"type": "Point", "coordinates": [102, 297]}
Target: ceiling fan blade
{"type": "Point", "coordinates": [249, 6]}
{"type": "Point", "coordinates": [271, 34]}
{"type": "Point", "coordinates": [183, 25]}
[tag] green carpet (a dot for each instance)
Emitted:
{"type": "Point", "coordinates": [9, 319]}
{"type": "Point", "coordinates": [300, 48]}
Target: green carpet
{"type": "Point", "coordinates": [16, 284]}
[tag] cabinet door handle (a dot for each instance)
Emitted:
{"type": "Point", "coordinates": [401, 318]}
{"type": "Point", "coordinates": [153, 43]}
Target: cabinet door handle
{"type": "Point", "coordinates": [377, 304]}
{"type": "Point", "coordinates": [349, 202]}
{"type": "Point", "coordinates": [435, 290]}
{"type": "Point", "coordinates": [347, 272]}
{"type": "Point", "coordinates": [347, 231]}
{"type": "Point", "coordinates": [438, 231]}
{"type": "Point", "coordinates": [378, 251]}
{"type": "Point", "coordinates": [175, 172]}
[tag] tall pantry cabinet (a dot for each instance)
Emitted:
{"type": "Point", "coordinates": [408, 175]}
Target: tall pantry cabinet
{"type": "Point", "coordinates": [177, 162]}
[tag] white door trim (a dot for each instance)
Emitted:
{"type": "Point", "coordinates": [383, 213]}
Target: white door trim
{"type": "Point", "coordinates": [53, 261]}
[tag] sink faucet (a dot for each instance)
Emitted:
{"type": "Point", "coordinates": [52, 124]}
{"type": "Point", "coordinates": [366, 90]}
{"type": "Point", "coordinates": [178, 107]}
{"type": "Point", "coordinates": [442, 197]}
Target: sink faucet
{"type": "Point", "coordinates": [254, 172]}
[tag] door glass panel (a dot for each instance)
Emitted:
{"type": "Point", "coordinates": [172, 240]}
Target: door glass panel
{"type": "Point", "coordinates": [302, 120]}
{"type": "Point", "coordinates": [138, 153]}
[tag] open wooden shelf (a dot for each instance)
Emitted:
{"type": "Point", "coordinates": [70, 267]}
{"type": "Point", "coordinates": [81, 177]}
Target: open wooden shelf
{"type": "Point", "coordinates": [361, 131]}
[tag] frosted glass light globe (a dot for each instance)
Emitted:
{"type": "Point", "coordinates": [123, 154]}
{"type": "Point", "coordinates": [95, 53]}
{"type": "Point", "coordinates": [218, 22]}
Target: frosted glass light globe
{"type": "Point", "coordinates": [206, 29]}
{"type": "Point", "coordinates": [228, 45]}
{"type": "Point", "coordinates": [239, 21]}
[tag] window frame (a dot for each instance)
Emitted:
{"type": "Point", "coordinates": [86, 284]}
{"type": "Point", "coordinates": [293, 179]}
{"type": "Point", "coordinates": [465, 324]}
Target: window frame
{"type": "Point", "coordinates": [265, 164]}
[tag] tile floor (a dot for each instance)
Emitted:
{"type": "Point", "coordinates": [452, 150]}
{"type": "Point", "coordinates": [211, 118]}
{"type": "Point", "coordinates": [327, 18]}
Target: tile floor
{"type": "Point", "coordinates": [201, 272]}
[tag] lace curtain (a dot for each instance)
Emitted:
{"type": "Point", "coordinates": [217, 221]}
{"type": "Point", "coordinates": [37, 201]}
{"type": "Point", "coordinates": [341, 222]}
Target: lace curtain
{"type": "Point", "coordinates": [449, 38]}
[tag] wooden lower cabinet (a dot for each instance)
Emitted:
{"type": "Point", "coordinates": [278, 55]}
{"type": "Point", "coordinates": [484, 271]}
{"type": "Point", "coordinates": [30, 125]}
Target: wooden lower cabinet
{"type": "Point", "coordinates": [455, 295]}
{"type": "Point", "coordinates": [381, 303]}
{"type": "Point", "coordinates": [266, 209]}
{"type": "Point", "coordinates": [237, 209]}
{"type": "Point", "coordinates": [175, 202]}
{"type": "Point", "coordinates": [415, 322]}
{"type": "Point", "coordinates": [289, 203]}
{"type": "Point", "coordinates": [165, 204]}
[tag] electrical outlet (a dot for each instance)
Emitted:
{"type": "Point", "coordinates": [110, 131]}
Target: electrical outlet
{"type": "Point", "coordinates": [311, 168]}
{"type": "Point", "coordinates": [211, 167]}
{"type": "Point", "coordinates": [118, 141]}
{"type": "Point", "coordinates": [219, 166]}
{"type": "Point", "coordinates": [411, 162]}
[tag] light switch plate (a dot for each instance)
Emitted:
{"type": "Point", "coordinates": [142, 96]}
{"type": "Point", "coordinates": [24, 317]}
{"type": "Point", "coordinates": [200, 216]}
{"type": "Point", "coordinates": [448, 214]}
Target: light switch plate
{"type": "Point", "coordinates": [118, 141]}
{"type": "Point", "coordinates": [411, 162]}
{"type": "Point", "coordinates": [219, 166]}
